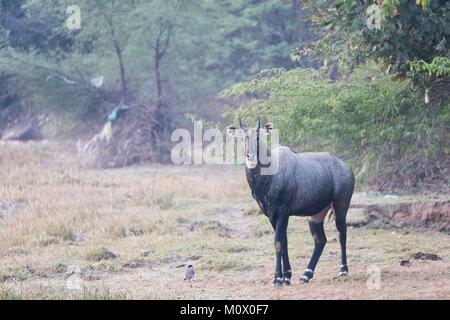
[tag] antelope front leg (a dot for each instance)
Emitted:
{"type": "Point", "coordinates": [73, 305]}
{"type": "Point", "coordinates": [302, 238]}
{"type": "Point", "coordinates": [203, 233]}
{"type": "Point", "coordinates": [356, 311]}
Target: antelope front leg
{"type": "Point", "coordinates": [280, 244]}
{"type": "Point", "coordinates": [287, 273]}
{"type": "Point", "coordinates": [278, 277]}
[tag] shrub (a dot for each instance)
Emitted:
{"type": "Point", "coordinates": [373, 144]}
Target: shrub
{"type": "Point", "coordinates": [367, 118]}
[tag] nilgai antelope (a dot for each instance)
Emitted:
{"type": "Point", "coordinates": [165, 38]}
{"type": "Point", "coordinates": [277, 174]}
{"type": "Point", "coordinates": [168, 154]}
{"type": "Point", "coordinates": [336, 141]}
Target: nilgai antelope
{"type": "Point", "coordinates": [305, 184]}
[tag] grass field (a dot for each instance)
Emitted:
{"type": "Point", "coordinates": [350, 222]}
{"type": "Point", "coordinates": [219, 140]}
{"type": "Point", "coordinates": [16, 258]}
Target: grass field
{"type": "Point", "coordinates": [130, 233]}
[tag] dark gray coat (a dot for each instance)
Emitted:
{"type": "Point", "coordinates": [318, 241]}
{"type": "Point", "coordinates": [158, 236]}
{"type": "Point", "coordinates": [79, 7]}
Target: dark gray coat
{"type": "Point", "coordinates": [305, 184]}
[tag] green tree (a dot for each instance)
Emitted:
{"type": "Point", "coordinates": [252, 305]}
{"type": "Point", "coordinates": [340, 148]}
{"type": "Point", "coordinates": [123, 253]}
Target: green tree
{"type": "Point", "coordinates": [373, 121]}
{"type": "Point", "coordinates": [172, 55]}
{"type": "Point", "coordinates": [409, 30]}
{"type": "Point", "coordinates": [261, 34]}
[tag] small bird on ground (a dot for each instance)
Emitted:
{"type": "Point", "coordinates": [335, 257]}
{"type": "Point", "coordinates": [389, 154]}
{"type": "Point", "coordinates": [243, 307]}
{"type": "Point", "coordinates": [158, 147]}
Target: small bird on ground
{"type": "Point", "coordinates": [189, 273]}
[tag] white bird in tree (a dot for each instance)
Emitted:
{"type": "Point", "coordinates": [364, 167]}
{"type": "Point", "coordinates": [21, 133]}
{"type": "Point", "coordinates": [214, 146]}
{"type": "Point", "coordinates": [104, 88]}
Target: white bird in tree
{"type": "Point", "coordinates": [97, 81]}
{"type": "Point", "coordinates": [427, 97]}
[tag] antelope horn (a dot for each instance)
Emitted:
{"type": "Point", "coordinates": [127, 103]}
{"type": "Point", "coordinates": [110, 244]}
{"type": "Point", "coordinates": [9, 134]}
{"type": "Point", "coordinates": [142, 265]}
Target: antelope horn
{"type": "Point", "coordinates": [258, 124]}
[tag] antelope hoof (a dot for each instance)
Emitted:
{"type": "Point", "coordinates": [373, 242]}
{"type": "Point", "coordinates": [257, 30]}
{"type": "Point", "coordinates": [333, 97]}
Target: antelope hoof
{"type": "Point", "coordinates": [303, 281]}
{"type": "Point", "coordinates": [277, 282]}
{"type": "Point", "coordinates": [308, 275]}
{"type": "Point", "coordinates": [287, 282]}
{"type": "Point", "coordinates": [344, 271]}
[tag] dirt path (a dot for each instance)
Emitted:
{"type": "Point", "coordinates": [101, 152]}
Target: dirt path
{"type": "Point", "coordinates": [235, 220]}
{"type": "Point", "coordinates": [157, 219]}
{"type": "Point", "coordinates": [375, 270]}
{"type": "Point", "coordinates": [379, 280]}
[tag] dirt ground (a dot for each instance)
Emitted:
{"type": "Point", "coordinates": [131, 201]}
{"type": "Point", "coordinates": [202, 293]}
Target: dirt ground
{"type": "Point", "coordinates": [71, 233]}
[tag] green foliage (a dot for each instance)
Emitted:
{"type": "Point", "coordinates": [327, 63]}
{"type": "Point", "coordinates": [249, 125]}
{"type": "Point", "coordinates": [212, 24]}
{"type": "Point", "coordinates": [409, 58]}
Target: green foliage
{"type": "Point", "coordinates": [440, 67]}
{"type": "Point", "coordinates": [48, 85]}
{"type": "Point", "coordinates": [409, 30]}
{"type": "Point", "coordinates": [366, 118]}
{"type": "Point", "coordinates": [211, 45]}
{"type": "Point", "coordinates": [260, 34]}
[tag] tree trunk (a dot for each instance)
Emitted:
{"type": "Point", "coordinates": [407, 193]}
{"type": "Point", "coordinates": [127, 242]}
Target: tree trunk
{"type": "Point", "coordinates": [159, 102]}
{"type": "Point", "coordinates": [123, 79]}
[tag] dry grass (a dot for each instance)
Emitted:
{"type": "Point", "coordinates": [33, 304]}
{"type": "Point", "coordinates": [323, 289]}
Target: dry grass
{"type": "Point", "coordinates": [132, 232]}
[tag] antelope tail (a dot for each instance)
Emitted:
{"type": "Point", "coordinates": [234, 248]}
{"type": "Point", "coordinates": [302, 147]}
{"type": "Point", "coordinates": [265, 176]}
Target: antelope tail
{"type": "Point", "coordinates": [331, 214]}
